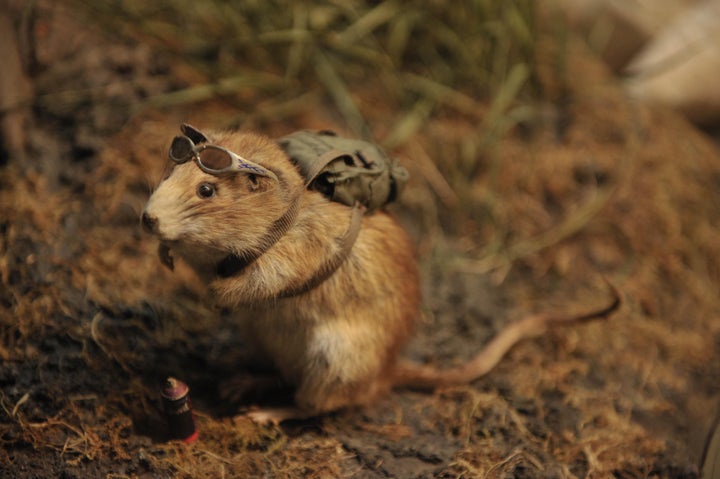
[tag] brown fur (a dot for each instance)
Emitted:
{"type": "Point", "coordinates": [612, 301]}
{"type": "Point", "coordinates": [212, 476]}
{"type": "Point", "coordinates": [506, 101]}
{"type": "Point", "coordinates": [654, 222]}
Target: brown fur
{"type": "Point", "coordinates": [338, 343]}
{"type": "Point", "coordinates": [335, 343]}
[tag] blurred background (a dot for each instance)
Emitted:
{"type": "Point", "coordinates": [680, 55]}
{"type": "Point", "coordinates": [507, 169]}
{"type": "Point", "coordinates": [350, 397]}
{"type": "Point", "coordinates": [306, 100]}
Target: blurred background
{"type": "Point", "coordinates": [550, 144]}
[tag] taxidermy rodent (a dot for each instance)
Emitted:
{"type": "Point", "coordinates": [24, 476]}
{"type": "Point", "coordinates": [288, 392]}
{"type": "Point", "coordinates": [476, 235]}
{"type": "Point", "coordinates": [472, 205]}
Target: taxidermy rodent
{"type": "Point", "coordinates": [333, 293]}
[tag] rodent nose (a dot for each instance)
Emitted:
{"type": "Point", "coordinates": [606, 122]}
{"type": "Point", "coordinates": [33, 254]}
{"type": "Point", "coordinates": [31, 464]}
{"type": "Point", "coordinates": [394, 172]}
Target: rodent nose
{"type": "Point", "coordinates": [149, 222]}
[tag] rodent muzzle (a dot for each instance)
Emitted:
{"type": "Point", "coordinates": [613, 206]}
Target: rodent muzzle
{"type": "Point", "coordinates": [149, 222]}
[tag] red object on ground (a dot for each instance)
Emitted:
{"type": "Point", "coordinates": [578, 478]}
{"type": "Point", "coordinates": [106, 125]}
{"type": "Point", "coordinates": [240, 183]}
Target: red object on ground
{"type": "Point", "coordinates": [176, 403]}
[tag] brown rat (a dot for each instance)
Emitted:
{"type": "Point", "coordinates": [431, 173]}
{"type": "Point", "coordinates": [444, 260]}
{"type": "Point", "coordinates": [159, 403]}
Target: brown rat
{"type": "Point", "coordinates": [332, 304]}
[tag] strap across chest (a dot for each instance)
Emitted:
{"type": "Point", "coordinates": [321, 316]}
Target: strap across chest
{"type": "Point", "coordinates": [234, 264]}
{"type": "Point", "coordinates": [353, 172]}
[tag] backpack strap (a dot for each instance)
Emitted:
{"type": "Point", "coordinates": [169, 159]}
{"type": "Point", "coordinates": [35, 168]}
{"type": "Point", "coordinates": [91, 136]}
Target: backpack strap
{"type": "Point", "coordinates": [233, 263]}
{"type": "Point", "coordinates": [352, 172]}
{"type": "Point", "coordinates": [346, 242]}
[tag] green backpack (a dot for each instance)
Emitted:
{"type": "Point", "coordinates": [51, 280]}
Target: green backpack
{"type": "Point", "coordinates": [345, 170]}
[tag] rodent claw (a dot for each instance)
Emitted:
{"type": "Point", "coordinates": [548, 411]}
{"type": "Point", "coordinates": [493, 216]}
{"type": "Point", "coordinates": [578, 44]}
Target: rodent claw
{"type": "Point", "coordinates": [165, 256]}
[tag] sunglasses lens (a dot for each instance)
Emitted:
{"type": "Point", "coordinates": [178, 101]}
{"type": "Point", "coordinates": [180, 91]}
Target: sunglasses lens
{"type": "Point", "coordinates": [181, 149]}
{"type": "Point", "coordinates": [215, 159]}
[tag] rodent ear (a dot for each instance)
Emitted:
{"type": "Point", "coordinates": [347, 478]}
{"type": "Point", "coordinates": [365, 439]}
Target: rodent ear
{"type": "Point", "coordinates": [256, 182]}
{"type": "Point", "coordinates": [193, 133]}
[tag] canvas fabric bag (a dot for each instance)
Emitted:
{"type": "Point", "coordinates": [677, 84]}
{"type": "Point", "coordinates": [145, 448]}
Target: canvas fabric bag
{"type": "Point", "coordinates": [345, 170]}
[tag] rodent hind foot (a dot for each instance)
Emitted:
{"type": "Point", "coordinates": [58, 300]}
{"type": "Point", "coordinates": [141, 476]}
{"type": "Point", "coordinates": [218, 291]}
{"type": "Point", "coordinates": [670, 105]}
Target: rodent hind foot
{"type": "Point", "coordinates": [274, 416]}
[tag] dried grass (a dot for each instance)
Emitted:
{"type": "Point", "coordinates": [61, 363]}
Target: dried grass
{"type": "Point", "coordinates": [545, 196]}
{"type": "Point", "coordinates": [467, 54]}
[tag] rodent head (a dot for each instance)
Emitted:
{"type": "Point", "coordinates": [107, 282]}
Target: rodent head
{"type": "Point", "coordinates": [205, 217]}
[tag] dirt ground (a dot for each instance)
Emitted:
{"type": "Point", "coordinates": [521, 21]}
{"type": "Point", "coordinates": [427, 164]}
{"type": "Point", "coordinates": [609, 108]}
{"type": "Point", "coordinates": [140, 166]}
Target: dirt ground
{"type": "Point", "coordinates": [599, 186]}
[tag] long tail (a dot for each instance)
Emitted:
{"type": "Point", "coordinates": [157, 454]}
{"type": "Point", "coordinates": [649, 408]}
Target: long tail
{"type": "Point", "coordinates": [415, 376]}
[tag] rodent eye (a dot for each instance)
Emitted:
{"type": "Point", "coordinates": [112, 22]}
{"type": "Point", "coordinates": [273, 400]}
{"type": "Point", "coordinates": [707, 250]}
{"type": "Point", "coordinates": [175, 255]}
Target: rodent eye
{"type": "Point", "coordinates": [206, 190]}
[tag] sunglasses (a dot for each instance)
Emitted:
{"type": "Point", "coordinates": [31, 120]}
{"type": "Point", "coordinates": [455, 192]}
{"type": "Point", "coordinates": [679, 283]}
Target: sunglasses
{"type": "Point", "coordinates": [213, 159]}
